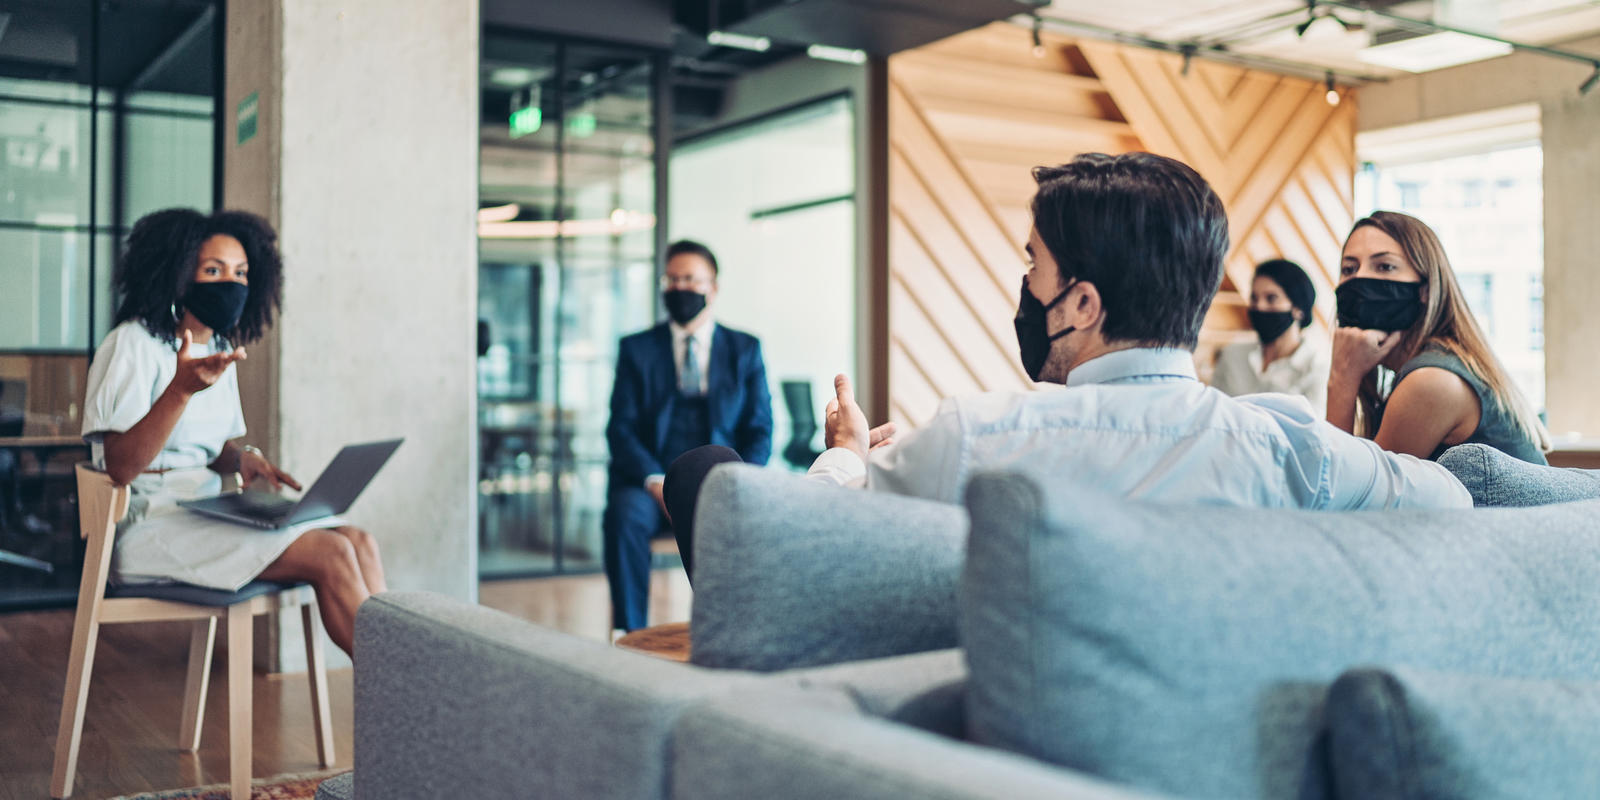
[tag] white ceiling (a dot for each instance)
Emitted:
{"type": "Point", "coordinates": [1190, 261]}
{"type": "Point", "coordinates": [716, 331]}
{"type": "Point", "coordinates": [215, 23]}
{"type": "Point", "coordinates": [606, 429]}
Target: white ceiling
{"type": "Point", "coordinates": [1265, 28]}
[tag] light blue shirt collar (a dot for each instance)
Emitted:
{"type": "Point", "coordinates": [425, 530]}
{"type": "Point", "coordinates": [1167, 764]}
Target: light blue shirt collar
{"type": "Point", "coordinates": [1136, 364]}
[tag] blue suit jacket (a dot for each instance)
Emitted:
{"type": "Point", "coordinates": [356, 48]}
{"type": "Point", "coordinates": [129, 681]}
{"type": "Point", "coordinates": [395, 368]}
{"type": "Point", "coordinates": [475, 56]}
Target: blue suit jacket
{"type": "Point", "coordinates": [737, 400]}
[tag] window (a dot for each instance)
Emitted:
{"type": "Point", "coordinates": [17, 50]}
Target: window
{"type": "Point", "coordinates": [1536, 313]}
{"type": "Point", "coordinates": [1478, 290]}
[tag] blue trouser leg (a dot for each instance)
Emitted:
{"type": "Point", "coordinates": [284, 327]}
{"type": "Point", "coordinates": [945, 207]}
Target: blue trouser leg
{"type": "Point", "coordinates": [632, 517]}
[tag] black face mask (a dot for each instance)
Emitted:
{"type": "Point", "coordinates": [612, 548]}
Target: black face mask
{"type": "Point", "coordinates": [683, 304]}
{"type": "Point", "coordinates": [1270, 325]}
{"type": "Point", "coordinates": [1378, 305]}
{"type": "Point", "coordinates": [1033, 340]}
{"type": "Point", "coordinates": [217, 305]}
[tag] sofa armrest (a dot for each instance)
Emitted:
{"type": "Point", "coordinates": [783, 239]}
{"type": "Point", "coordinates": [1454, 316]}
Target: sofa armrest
{"type": "Point", "coordinates": [457, 700]}
{"type": "Point", "coordinates": [794, 573]}
{"type": "Point", "coordinates": [778, 743]}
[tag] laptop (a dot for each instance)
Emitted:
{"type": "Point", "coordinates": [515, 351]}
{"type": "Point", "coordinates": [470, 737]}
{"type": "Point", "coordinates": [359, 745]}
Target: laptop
{"type": "Point", "coordinates": [333, 493]}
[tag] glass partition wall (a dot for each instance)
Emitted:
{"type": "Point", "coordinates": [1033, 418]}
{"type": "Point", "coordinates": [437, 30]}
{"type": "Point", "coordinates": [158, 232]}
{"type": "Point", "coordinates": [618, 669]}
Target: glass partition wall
{"type": "Point", "coordinates": [568, 234]}
{"type": "Point", "coordinates": [106, 113]}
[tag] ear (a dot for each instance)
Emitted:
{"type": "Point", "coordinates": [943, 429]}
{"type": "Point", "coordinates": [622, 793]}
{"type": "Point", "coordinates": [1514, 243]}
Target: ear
{"type": "Point", "coordinates": [1081, 308]}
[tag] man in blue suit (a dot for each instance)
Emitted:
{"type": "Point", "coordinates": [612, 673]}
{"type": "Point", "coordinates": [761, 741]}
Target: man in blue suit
{"type": "Point", "coordinates": [682, 384]}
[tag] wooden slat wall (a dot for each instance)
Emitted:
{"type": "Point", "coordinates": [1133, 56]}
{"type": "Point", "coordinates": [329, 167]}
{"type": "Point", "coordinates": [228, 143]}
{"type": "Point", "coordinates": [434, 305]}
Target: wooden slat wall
{"type": "Point", "coordinates": [970, 115]}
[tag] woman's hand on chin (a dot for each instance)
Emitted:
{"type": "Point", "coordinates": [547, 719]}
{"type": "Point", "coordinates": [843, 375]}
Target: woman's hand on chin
{"type": "Point", "coordinates": [1357, 350]}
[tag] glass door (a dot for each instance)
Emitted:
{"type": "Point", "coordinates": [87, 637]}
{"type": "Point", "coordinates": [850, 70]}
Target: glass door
{"type": "Point", "coordinates": [567, 244]}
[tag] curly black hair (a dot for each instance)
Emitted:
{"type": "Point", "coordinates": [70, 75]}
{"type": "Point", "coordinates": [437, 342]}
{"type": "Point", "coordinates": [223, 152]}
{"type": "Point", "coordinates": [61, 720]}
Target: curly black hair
{"type": "Point", "coordinates": [159, 265]}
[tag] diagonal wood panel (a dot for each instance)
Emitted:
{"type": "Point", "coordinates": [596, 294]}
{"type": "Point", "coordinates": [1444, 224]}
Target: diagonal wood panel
{"type": "Point", "coordinates": [969, 116]}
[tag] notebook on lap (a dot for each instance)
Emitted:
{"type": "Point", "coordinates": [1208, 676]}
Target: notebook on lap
{"type": "Point", "coordinates": [333, 492]}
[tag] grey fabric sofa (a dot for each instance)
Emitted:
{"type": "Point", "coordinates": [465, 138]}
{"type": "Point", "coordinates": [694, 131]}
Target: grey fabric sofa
{"type": "Point", "coordinates": [824, 621]}
{"type": "Point", "coordinates": [455, 700]}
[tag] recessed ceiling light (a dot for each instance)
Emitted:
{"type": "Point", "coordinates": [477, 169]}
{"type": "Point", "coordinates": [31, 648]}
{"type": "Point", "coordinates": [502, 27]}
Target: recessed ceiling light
{"type": "Point", "coordinates": [1433, 51]}
{"type": "Point", "coordinates": [759, 44]}
{"type": "Point", "coordinates": [842, 54]}
{"type": "Point", "coordinates": [512, 77]}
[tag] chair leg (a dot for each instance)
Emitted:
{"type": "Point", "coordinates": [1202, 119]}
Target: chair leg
{"type": "Point", "coordinates": [240, 641]}
{"type": "Point", "coordinates": [317, 672]}
{"type": "Point", "coordinates": [74, 699]}
{"type": "Point", "coordinates": [202, 639]}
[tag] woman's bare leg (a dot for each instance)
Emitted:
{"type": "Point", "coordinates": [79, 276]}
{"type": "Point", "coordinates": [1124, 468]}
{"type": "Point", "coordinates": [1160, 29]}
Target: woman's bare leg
{"type": "Point", "coordinates": [367, 555]}
{"type": "Point", "coordinates": [327, 560]}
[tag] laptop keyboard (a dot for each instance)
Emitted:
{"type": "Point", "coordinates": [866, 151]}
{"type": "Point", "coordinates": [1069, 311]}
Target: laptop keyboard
{"type": "Point", "coordinates": [262, 504]}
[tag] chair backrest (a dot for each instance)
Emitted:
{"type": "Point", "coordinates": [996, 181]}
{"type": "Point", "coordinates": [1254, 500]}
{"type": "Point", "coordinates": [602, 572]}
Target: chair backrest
{"type": "Point", "coordinates": [101, 505]}
{"type": "Point", "coordinates": [13, 406]}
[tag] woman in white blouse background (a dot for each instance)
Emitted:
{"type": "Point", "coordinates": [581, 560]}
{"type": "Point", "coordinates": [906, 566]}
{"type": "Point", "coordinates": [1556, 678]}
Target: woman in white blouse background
{"type": "Point", "coordinates": [162, 413]}
{"type": "Point", "coordinates": [1286, 358]}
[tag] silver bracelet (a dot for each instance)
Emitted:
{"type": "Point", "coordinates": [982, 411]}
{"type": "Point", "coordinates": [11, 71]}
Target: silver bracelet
{"type": "Point", "coordinates": [250, 448]}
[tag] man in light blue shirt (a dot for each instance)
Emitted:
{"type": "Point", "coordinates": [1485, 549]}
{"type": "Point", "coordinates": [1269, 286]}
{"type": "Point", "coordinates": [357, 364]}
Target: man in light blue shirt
{"type": "Point", "coordinates": [1127, 253]}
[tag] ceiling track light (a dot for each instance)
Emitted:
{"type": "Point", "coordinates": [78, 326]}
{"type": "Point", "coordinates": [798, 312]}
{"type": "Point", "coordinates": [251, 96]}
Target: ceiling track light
{"type": "Point", "coordinates": [1426, 26]}
{"type": "Point", "coordinates": [1333, 90]}
{"type": "Point", "coordinates": [1188, 51]}
{"type": "Point", "coordinates": [1038, 36]}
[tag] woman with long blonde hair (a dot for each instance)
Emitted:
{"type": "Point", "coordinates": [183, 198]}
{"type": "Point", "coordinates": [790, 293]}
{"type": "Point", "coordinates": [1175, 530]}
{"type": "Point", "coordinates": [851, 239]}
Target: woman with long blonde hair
{"type": "Point", "coordinates": [1411, 369]}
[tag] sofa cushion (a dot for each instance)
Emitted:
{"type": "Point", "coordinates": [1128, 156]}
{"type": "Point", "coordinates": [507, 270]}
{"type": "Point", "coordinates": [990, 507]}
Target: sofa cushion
{"type": "Point", "coordinates": [1189, 649]}
{"type": "Point", "coordinates": [1496, 479]}
{"type": "Point", "coordinates": [923, 690]}
{"type": "Point", "coordinates": [1404, 732]}
{"type": "Point", "coordinates": [793, 573]}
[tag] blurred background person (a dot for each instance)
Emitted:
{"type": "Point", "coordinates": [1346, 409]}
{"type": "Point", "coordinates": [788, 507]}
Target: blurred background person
{"type": "Point", "coordinates": [1286, 358]}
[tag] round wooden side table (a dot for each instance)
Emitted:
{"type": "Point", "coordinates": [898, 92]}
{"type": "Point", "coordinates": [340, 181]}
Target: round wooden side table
{"type": "Point", "coordinates": [669, 641]}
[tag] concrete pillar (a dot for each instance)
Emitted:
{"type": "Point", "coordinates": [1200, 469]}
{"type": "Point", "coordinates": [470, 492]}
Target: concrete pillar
{"type": "Point", "coordinates": [1572, 262]}
{"type": "Point", "coordinates": [365, 157]}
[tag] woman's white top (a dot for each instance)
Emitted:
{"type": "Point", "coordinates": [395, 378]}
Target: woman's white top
{"type": "Point", "coordinates": [1304, 372]}
{"type": "Point", "coordinates": [158, 541]}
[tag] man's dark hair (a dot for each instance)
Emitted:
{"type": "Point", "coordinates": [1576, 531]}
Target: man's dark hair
{"type": "Point", "coordinates": [691, 247]}
{"type": "Point", "coordinates": [1294, 281]}
{"type": "Point", "coordinates": [1146, 230]}
{"type": "Point", "coordinates": [163, 253]}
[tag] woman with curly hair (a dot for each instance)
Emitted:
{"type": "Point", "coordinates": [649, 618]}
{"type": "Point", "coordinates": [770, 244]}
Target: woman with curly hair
{"type": "Point", "coordinates": [1411, 369]}
{"type": "Point", "coordinates": [162, 413]}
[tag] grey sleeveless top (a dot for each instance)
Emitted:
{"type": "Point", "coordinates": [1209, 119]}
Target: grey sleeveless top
{"type": "Point", "coordinates": [1497, 426]}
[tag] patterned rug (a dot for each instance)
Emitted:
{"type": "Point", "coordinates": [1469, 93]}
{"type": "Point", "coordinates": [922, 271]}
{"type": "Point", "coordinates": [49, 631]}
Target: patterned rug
{"type": "Point", "coordinates": [284, 787]}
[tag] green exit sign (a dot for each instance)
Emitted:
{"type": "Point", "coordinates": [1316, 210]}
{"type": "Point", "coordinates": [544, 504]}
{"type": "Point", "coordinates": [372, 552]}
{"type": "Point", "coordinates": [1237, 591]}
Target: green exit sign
{"type": "Point", "coordinates": [525, 121]}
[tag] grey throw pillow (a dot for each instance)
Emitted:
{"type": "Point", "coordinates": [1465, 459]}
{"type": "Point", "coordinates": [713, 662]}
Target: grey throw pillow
{"type": "Point", "coordinates": [1188, 650]}
{"type": "Point", "coordinates": [1421, 734]}
{"type": "Point", "coordinates": [1496, 479]}
{"type": "Point", "coordinates": [793, 573]}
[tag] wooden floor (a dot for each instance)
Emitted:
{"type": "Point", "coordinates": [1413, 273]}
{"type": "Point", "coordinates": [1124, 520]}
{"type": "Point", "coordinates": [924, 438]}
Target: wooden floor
{"type": "Point", "coordinates": [131, 726]}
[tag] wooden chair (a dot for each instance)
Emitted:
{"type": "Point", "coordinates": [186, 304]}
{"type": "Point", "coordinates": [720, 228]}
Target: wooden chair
{"type": "Point", "coordinates": [101, 504]}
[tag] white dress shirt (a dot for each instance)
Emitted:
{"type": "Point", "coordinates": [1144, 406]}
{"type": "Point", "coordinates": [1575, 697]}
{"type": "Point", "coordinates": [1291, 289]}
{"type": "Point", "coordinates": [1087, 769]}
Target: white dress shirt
{"type": "Point", "coordinates": [702, 348]}
{"type": "Point", "coordinates": [1138, 423]}
{"type": "Point", "coordinates": [1304, 372]}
